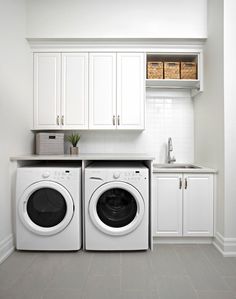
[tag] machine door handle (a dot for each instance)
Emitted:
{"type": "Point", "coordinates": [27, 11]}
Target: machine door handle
{"type": "Point", "coordinates": [62, 120]}
{"type": "Point", "coordinates": [114, 120]}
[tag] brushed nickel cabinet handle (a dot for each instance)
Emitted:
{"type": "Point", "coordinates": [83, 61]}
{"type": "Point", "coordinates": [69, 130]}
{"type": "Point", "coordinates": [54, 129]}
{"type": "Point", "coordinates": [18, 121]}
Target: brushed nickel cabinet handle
{"type": "Point", "coordinates": [180, 183]}
{"type": "Point", "coordinates": [62, 120]}
{"type": "Point", "coordinates": [58, 120]}
{"type": "Point", "coordinates": [114, 120]}
{"type": "Point", "coordinates": [186, 184]}
{"type": "Point", "coordinates": [118, 120]}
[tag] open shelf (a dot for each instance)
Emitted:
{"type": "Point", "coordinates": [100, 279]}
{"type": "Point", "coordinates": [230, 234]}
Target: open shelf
{"type": "Point", "coordinates": [193, 85]}
{"type": "Point", "coordinates": [173, 83]}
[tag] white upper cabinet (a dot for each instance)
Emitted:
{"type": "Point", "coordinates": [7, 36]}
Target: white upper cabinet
{"type": "Point", "coordinates": [74, 104]}
{"type": "Point", "coordinates": [77, 91]}
{"type": "Point", "coordinates": [102, 90]}
{"type": "Point", "coordinates": [46, 90]}
{"type": "Point", "coordinates": [60, 91]}
{"type": "Point", "coordinates": [116, 91]}
{"type": "Point", "coordinates": [198, 205]}
{"type": "Point", "coordinates": [130, 90]}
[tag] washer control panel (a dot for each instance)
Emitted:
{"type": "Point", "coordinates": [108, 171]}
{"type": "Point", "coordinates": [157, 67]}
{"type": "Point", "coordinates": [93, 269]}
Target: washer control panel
{"type": "Point", "coordinates": [132, 175]}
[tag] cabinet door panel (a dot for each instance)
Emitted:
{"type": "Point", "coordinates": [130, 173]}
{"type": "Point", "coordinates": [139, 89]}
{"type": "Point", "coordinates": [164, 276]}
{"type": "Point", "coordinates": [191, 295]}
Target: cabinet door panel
{"type": "Point", "coordinates": [46, 90]}
{"type": "Point", "coordinates": [130, 90]}
{"type": "Point", "coordinates": [75, 90]}
{"type": "Point", "coordinates": [167, 203]}
{"type": "Point", "coordinates": [198, 205]}
{"type": "Point", "coordinates": [102, 90]}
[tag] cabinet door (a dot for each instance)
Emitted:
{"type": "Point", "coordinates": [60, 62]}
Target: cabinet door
{"type": "Point", "coordinates": [130, 90]}
{"type": "Point", "coordinates": [46, 90]}
{"type": "Point", "coordinates": [167, 203]}
{"type": "Point", "coordinates": [198, 205]}
{"type": "Point", "coordinates": [74, 105]}
{"type": "Point", "coordinates": [102, 90]}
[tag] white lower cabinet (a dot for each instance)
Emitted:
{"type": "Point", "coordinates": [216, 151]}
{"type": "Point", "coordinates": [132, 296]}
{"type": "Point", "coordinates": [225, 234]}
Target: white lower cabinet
{"type": "Point", "coordinates": [198, 205]}
{"type": "Point", "coordinates": [182, 205]}
{"type": "Point", "coordinates": [167, 213]}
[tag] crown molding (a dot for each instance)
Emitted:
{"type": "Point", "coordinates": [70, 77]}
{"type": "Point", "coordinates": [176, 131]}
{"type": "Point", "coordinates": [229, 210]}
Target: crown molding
{"type": "Point", "coordinates": [115, 44]}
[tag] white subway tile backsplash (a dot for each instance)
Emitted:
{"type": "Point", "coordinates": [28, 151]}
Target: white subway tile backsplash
{"type": "Point", "coordinates": [165, 117]}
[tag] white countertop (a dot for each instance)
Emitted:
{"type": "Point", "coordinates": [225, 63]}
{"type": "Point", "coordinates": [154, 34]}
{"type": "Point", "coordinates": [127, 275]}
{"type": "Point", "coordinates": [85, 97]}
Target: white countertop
{"type": "Point", "coordinates": [113, 156]}
{"type": "Point", "coordinates": [200, 169]}
{"type": "Point", "coordinates": [80, 157]}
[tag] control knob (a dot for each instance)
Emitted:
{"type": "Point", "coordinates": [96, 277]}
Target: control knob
{"type": "Point", "coordinates": [116, 175]}
{"type": "Point", "coordinates": [46, 174]}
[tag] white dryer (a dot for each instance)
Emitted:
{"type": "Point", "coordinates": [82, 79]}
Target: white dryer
{"type": "Point", "coordinates": [116, 207]}
{"type": "Point", "coordinates": [48, 208]}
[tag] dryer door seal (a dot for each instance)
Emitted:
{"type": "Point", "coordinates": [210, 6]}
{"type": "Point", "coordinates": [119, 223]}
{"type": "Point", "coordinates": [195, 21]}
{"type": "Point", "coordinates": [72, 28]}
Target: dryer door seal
{"type": "Point", "coordinates": [46, 208]}
{"type": "Point", "coordinates": [116, 208]}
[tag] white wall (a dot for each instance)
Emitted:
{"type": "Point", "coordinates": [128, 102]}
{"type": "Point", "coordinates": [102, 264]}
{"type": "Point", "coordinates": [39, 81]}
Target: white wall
{"type": "Point", "coordinates": [166, 116]}
{"type": "Point", "coordinates": [230, 117]}
{"type": "Point", "coordinates": [209, 106]}
{"type": "Point", "coordinates": [15, 103]}
{"type": "Point", "coordinates": [113, 19]}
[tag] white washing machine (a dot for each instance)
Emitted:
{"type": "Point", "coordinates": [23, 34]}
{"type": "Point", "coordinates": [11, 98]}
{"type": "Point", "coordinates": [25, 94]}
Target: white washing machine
{"type": "Point", "coordinates": [48, 208]}
{"type": "Point", "coordinates": [116, 206]}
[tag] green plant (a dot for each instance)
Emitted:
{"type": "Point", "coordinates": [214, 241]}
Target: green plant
{"type": "Point", "coordinates": [73, 139]}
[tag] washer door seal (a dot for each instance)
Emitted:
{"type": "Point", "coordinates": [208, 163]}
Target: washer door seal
{"type": "Point", "coordinates": [46, 208]}
{"type": "Point", "coordinates": [124, 211]}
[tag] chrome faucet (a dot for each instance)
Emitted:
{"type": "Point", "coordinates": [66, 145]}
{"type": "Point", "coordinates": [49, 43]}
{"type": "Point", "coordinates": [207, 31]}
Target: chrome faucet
{"type": "Point", "coordinates": [169, 150]}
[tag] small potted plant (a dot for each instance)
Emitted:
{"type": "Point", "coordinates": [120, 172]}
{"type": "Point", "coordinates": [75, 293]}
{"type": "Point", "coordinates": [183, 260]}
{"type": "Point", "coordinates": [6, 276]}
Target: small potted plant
{"type": "Point", "coordinates": [73, 139]}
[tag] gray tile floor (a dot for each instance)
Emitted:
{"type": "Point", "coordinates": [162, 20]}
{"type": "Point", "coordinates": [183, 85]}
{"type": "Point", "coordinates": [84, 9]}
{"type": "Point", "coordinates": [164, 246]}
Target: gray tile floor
{"type": "Point", "coordinates": [168, 272]}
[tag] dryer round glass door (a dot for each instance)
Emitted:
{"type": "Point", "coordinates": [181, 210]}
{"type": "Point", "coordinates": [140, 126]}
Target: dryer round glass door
{"type": "Point", "coordinates": [46, 208]}
{"type": "Point", "coordinates": [116, 208]}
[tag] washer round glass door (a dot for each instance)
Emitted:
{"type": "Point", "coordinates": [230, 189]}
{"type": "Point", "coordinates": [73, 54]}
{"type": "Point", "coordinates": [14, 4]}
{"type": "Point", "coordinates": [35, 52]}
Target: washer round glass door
{"type": "Point", "coordinates": [46, 208]}
{"type": "Point", "coordinates": [116, 208]}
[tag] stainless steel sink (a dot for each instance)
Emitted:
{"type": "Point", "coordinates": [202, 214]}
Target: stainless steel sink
{"type": "Point", "coordinates": [176, 165]}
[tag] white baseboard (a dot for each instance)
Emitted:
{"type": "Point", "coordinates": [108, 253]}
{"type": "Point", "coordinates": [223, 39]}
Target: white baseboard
{"type": "Point", "coordinates": [6, 248]}
{"type": "Point", "coordinates": [226, 246]}
{"type": "Point", "coordinates": [182, 240]}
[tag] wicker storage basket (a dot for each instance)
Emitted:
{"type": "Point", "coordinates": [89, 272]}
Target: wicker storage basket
{"type": "Point", "coordinates": [50, 143]}
{"type": "Point", "coordinates": [155, 70]}
{"type": "Point", "coordinates": [188, 70]}
{"type": "Point", "coordinates": [172, 70]}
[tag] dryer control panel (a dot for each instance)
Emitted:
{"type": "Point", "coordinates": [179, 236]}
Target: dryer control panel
{"type": "Point", "coordinates": [57, 174]}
